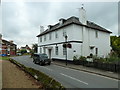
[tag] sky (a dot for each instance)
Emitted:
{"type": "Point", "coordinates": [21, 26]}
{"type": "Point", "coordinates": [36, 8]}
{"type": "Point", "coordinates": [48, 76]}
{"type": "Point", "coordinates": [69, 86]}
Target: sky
{"type": "Point", "coordinates": [20, 20]}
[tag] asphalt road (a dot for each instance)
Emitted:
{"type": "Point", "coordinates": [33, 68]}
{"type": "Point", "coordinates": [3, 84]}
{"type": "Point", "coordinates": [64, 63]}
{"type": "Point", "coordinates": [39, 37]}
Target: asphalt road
{"type": "Point", "coordinates": [71, 78]}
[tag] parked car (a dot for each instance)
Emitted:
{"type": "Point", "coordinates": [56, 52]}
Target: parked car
{"type": "Point", "coordinates": [41, 59]}
{"type": "Point", "coordinates": [19, 54]}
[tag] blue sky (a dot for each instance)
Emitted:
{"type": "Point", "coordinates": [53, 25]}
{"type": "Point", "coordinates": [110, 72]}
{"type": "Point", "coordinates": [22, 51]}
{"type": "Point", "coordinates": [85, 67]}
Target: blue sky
{"type": "Point", "coordinates": [21, 20]}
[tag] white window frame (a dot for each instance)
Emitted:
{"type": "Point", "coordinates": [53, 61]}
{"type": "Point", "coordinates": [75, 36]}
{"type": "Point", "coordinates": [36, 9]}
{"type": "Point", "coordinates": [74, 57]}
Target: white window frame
{"type": "Point", "coordinates": [41, 39]}
{"type": "Point", "coordinates": [44, 50]}
{"type": "Point", "coordinates": [64, 51]}
{"type": "Point", "coordinates": [64, 33]}
{"type": "Point", "coordinates": [50, 36]}
{"type": "Point", "coordinates": [96, 51]}
{"type": "Point", "coordinates": [40, 50]}
{"type": "Point", "coordinates": [56, 34]}
{"type": "Point", "coordinates": [44, 37]}
{"type": "Point", "coordinates": [56, 50]}
{"type": "Point", "coordinates": [96, 33]}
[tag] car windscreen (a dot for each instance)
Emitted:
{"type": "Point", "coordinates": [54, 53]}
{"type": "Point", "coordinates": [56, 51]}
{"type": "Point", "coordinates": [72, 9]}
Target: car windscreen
{"type": "Point", "coordinates": [44, 56]}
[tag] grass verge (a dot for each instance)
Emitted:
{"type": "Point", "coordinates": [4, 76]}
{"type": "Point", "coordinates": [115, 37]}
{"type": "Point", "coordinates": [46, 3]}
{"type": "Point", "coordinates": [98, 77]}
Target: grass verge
{"type": "Point", "coordinates": [47, 81]}
{"type": "Point", "coordinates": [4, 58]}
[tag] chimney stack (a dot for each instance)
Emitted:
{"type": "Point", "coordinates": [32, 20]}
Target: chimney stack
{"type": "Point", "coordinates": [61, 21]}
{"type": "Point", "coordinates": [82, 15]}
{"type": "Point", "coordinates": [41, 29]}
{"type": "Point", "coordinates": [49, 27]}
{"type": "Point", "coordinates": [11, 41]}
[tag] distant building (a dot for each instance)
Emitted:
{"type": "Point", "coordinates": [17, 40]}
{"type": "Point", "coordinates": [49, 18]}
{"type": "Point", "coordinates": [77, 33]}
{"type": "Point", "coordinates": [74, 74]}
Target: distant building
{"type": "Point", "coordinates": [7, 48]}
{"type": "Point", "coordinates": [27, 48]}
{"type": "Point", "coordinates": [83, 37]}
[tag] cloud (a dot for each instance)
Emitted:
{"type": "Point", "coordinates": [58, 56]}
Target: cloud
{"type": "Point", "coordinates": [21, 20]}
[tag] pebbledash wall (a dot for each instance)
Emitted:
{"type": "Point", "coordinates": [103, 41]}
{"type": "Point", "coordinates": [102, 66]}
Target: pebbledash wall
{"type": "Point", "coordinates": [84, 41]}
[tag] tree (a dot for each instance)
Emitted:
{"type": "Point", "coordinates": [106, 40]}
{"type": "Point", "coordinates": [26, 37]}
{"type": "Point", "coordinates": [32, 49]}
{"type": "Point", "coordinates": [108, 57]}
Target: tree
{"type": "Point", "coordinates": [23, 51]}
{"type": "Point", "coordinates": [115, 44]}
{"type": "Point", "coordinates": [35, 48]}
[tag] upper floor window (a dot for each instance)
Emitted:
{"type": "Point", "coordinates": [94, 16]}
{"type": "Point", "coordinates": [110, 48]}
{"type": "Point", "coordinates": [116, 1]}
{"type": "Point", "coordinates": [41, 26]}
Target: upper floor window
{"type": "Point", "coordinates": [40, 39]}
{"type": "Point", "coordinates": [96, 34]}
{"type": "Point", "coordinates": [56, 34]}
{"type": "Point", "coordinates": [64, 33]}
{"type": "Point", "coordinates": [50, 36]}
{"type": "Point", "coordinates": [44, 37]}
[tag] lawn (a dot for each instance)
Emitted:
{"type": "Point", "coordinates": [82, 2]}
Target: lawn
{"type": "Point", "coordinates": [4, 58]}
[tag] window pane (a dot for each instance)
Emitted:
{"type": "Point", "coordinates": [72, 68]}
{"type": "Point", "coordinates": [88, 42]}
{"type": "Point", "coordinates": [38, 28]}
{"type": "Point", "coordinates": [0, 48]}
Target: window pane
{"type": "Point", "coordinates": [40, 39]}
{"type": "Point", "coordinates": [64, 51]}
{"type": "Point", "coordinates": [56, 50]}
{"type": "Point", "coordinates": [45, 38]}
{"type": "Point", "coordinates": [50, 36]}
{"type": "Point", "coordinates": [96, 34]}
{"type": "Point", "coordinates": [56, 35]}
{"type": "Point", "coordinates": [96, 51]}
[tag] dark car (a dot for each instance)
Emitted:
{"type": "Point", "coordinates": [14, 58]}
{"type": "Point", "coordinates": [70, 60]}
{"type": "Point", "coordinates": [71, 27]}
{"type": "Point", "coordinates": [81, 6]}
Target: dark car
{"type": "Point", "coordinates": [41, 59]}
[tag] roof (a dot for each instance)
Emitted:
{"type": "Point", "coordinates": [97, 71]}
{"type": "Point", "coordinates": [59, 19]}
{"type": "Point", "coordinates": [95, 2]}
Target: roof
{"type": "Point", "coordinates": [7, 42]}
{"type": "Point", "coordinates": [74, 20]}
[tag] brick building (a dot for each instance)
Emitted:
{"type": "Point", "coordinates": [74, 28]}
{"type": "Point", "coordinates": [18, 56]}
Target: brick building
{"type": "Point", "coordinates": [7, 48]}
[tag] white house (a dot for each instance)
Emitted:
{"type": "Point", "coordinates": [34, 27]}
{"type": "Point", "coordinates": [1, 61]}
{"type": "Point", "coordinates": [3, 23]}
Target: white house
{"type": "Point", "coordinates": [84, 36]}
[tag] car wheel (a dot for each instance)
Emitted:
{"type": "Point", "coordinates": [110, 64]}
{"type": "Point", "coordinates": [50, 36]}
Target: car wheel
{"type": "Point", "coordinates": [35, 62]}
{"type": "Point", "coordinates": [40, 63]}
{"type": "Point", "coordinates": [49, 63]}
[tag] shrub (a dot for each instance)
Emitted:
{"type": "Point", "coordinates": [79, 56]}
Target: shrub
{"type": "Point", "coordinates": [82, 58]}
{"type": "Point", "coordinates": [75, 58]}
{"type": "Point", "coordinates": [113, 59]}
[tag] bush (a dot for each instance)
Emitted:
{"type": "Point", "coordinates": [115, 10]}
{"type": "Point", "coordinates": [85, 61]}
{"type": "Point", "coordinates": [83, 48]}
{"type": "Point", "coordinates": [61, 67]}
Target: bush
{"type": "Point", "coordinates": [75, 58]}
{"type": "Point", "coordinates": [23, 51]}
{"type": "Point", "coordinates": [82, 58]}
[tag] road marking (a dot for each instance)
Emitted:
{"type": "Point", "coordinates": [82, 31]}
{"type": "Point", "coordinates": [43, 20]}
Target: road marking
{"type": "Point", "coordinates": [47, 68]}
{"type": "Point", "coordinates": [74, 78]}
{"type": "Point", "coordinates": [88, 73]}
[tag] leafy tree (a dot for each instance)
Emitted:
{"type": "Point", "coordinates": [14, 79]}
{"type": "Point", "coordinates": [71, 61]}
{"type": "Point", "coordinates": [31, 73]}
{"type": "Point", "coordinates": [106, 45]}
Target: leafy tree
{"type": "Point", "coordinates": [35, 48]}
{"type": "Point", "coordinates": [115, 44]}
{"type": "Point", "coordinates": [23, 51]}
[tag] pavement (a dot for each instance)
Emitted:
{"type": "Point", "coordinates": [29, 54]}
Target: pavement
{"type": "Point", "coordinates": [0, 74]}
{"type": "Point", "coordinates": [88, 69]}
{"type": "Point", "coordinates": [14, 77]}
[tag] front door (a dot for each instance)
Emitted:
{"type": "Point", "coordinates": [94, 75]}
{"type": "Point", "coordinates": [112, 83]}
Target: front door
{"type": "Point", "coordinates": [49, 53]}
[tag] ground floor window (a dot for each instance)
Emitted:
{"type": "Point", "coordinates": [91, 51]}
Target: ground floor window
{"type": "Point", "coordinates": [40, 50]}
{"type": "Point", "coordinates": [96, 51]}
{"type": "Point", "coordinates": [56, 50]}
{"type": "Point", "coordinates": [64, 51]}
{"type": "Point", "coordinates": [44, 50]}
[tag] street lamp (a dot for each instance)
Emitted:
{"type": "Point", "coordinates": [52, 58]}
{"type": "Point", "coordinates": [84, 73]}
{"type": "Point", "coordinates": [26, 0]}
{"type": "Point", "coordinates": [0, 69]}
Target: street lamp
{"type": "Point", "coordinates": [66, 47]}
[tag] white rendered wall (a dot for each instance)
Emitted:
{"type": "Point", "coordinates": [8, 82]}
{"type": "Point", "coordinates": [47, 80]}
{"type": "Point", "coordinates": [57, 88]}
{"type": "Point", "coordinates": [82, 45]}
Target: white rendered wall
{"type": "Point", "coordinates": [77, 33]}
{"type": "Point", "coordinates": [102, 42]}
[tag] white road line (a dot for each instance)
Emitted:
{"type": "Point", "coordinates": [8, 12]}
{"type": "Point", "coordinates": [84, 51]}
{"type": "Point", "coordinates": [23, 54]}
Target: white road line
{"type": "Point", "coordinates": [88, 73]}
{"type": "Point", "coordinates": [47, 68]}
{"type": "Point", "coordinates": [74, 78]}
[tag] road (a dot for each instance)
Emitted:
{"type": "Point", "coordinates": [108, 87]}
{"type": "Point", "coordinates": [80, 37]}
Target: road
{"type": "Point", "coordinates": [71, 78]}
